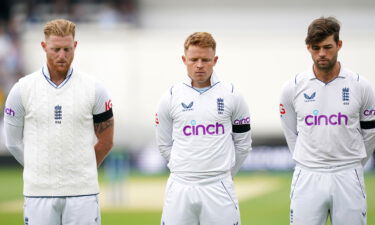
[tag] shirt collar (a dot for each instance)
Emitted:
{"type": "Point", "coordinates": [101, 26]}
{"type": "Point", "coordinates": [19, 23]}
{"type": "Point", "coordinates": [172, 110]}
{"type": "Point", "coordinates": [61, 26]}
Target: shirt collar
{"type": "Point", "coordinates": [342, 73]}
{"type": "Point", "coordinates": [213, 80]}
{"type": "Point", "coordinates": [46, 74]}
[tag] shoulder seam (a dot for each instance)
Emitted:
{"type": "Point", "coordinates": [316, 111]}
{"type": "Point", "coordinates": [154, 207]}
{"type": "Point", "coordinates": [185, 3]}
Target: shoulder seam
{"type": "Point", "coordinates": [295, 78]}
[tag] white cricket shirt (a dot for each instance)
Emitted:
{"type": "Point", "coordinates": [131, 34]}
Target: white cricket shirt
{"type": "Point", "coordinates": [57, 132]}
{"type": "Point", "coordinates": [202, 135]}
{"type": "Point", "coordinates": [328, 124]}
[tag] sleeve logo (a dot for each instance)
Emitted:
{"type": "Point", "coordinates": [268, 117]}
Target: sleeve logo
{"type": "Point", "coordinates": [282, 109]}
{"type": "Point", "coordinates": [108, 105]}
{"type": "Point", "coordinates": [9, 112]}
{"type": "Point", "coordinates": [369, 112]}
{"type": "Point", "coordinates": [242, 121]}
{"type": "Point", "coordinates": [156, 119]}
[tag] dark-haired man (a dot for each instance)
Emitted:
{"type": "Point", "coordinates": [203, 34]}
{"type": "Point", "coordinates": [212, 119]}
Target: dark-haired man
{"type": "Point", "coordinates": [328, 118]}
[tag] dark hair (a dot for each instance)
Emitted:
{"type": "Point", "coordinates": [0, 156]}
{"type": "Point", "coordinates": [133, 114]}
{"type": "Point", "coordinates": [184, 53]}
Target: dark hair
{"type": "Point", "coordinates": [322, 28]}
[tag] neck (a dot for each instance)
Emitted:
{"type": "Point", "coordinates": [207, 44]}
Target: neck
{"type": "Point", "coordinates": [327, 75]}
{"type": "Point", "coordinates": [200, 85]}
{"type": "Point", "coordinates": [57, 77]}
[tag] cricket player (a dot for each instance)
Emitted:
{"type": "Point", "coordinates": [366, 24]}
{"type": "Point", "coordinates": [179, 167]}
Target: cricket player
{"type": "Point", "coordinates": [59, 126]}
{"type": "Point", "coordinates": [203, 131]}
{"type": "Point", "coordinates": [328, 118]}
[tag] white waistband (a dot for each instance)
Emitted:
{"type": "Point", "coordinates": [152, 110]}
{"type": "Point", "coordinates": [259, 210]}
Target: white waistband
{"type": "Point", "coordinates": [330, 168]}
{"type": "Point", "coordinates": [180, 179]}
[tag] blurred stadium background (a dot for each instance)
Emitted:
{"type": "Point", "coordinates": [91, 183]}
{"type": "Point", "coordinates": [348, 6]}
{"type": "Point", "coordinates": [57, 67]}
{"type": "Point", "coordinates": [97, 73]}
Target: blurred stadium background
{"type": "Point", "coordinates": [134, 47]}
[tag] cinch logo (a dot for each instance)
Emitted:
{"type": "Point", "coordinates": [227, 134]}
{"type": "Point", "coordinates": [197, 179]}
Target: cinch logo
{"type": "Point", "coordinates": [200, 129]}
{"type": "Point", "coordinates": [333, 119]}
{"type": "Point", "coordinates": [369, 112]}
{"type": "Point", "coordinates": [9, 111]}
{"type": "Point", "coordinates": [242, 121]}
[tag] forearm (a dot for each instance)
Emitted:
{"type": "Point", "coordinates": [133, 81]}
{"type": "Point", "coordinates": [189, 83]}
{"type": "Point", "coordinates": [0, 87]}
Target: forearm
{"type": "Point", "coordinates": [242, 144]}
{"type": "Point", "coordinates": [104, 133]}
{"type": "Point", "coordinates": [14, 141]}
{"type": "Point", "coordinates": [165, 151]}
{"type": "Point", "coordinates": [291, 139]}
{"type": "Point", "coordinates": [369, 140]}
{"type": "Point", "coordinates": [101, 151]}
{"type": "Point", "coordinates": [164, 128]}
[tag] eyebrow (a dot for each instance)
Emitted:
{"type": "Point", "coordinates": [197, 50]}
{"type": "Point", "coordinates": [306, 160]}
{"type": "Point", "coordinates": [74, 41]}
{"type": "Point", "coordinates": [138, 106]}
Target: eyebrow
{"type": "Point", "coordinates": [318, 46]}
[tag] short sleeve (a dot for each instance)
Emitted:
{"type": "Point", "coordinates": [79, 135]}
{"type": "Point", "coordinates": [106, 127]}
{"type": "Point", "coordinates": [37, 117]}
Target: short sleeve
{"type": "Point", "coordinates": [102, 109]}
{"type": "Point", "coordinates": [240, 115]}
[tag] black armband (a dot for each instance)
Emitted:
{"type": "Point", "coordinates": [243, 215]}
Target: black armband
{"type": "Point", "coordinates": [103, 116]}
{"type": "Point", "coordinates": [367, 124]}
{"type": "Point", "coordinates": [242, 128]}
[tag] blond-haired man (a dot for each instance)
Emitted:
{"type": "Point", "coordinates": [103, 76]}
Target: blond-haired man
{"type": "Point", "coordinates": [203, 131]}
{"type": "Point", "coordinates": [59, 126]}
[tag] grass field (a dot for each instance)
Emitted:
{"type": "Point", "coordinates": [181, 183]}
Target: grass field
{"type": "Point", "coordinates": [264, 199]}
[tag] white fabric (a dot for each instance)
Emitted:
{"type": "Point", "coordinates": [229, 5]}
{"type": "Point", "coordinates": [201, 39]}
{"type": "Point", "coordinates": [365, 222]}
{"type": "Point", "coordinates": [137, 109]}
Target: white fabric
{"type": "Point", "coordinates": [59, 157]}
{"type": "Point", "coordinates": [338, 140]}
{"type": "Point", "coordinates": [316, 195]}
{"type": "Point", "coordinates": [200, 203]}
{"type": "Point", "coordinates": [196, 137]}
{"type": "Point", "coordinates": [82, 210]}
{"type": "Point", "coordinates": [46, 74]}
{"type": "Point", "coordinates": [16, 111]}
{"type": "Point", "coordinates": [13, 141]}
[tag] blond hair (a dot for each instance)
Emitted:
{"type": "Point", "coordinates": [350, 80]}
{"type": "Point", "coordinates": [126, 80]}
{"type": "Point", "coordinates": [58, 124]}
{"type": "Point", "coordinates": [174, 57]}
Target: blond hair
{"type": "Point", "coordinates": [59, 27]}
{"type": "Point", "coordinates": [200, 39]}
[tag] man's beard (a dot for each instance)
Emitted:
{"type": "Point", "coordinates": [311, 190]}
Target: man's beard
{"type": "Point", "coordinates": [327, 67]}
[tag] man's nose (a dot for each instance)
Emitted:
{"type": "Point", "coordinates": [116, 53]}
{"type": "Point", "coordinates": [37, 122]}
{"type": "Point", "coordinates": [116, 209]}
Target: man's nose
{"type": "Point", "coordinates": [200, 64]}
{"type": "Point", "coordinates": [61, 54]}
{"type": "Point", "coordinates": [322, 52]}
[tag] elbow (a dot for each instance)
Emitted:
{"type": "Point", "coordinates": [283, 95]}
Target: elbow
{"type": "Point", "coordinates": [243, 150]}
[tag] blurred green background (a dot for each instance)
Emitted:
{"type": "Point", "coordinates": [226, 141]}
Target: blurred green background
{"type": "Point", "coordinates": [264, 198]}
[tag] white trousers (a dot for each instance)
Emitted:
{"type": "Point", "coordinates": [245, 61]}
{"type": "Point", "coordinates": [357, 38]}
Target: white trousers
{"type": "Point", "coordinates": [82, 210]}
{"type": "Point", "coordinates": [212, 203]}
{"type": "Point", "coordinates": [340, 194]}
